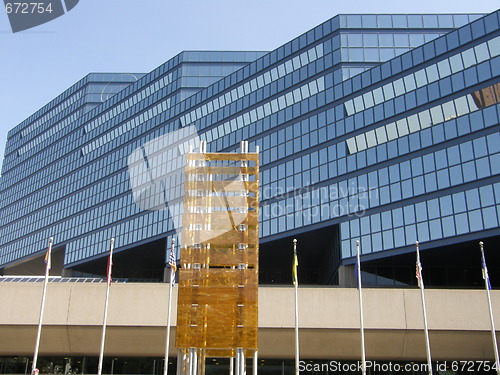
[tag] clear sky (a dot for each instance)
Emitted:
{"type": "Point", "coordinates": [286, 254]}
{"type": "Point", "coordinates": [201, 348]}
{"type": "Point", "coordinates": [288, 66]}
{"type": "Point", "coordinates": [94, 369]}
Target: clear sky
{"type": "Point", "coordinates": [38, 64]}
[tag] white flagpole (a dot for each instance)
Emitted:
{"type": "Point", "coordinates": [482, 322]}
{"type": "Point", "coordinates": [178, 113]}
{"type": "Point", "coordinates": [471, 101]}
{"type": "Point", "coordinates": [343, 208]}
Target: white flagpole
{"type": "Point", "coordinates": [296, 285]}
{"type": "Point", "coordinates": [426, 329]}
{"type": "Point", "coordinates": [361, 320]}
{"type": "Point", "coordinates": [172, 280]}
{"type": "Point", "coordinates": [487, 286]}
{"type": "Point", "coordinates": [105, 320]}
{"type": "Point", "coordinates": [42, 306]}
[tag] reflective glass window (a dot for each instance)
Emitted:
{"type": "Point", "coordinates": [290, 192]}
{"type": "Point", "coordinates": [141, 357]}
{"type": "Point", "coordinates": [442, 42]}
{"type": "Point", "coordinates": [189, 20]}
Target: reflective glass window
{"type": "Point", "coordinates": [444, 68]}
{"type": "Point", "coordinates": [388, 239]}
{"type": "Point", "coordinates": [468, 58]}
{"type": "Point", "coordinates": [456, 176]}
{"type": "Point", "coordinates": [421, 78]}
{"type": "Point", "coordinates": [469, 171]}
{"type": "Point", "coordinates": [472, 197]}
{"type": "Point", "coordinates": [433, 208]}
{"type": "Point", "coordinates": [421, 211]}
{"type": "Point", "coordinates": [432, 73]}
{"type": "Point", "coordinates": [456, 63]}
{"type": "Point", "coordinates": [466, 151]}
{"type": "Point", "coordinates": [369, 21]}
{"type": "Point", "coordinates": [416, 39]}
{"type": "Point", "coordinates": [399, 237]}
{"type": "Point", "coordinates": [448, 226]}
{"type": "Point", "coordinates": [401, 40]}
{"type": "Point", "coordinates": [490, 217]}
{"type": "Point", "coordinates": [423, 232]}
{"type": "Point", "coordinates": [462, 224]}
{"type": "Point", "coordinates": [476, 220]}
{"type": "Point", "coordinates": [370, 40]}
{"type": "Point", "coordinates": [486, 195]}
{"type": "Point", "coordinates": [355, 40]}
{"type": "Point", "coordinates": [410, 83]}
{"type": "Point", "coordinates": [386, 40]}
{"type": "Point", "coordinates": [481, 52]}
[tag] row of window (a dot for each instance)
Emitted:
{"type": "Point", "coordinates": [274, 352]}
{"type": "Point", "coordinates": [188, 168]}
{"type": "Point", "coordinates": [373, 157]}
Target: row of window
{"type": "Point", "coordinates": [131, 101]}
{"type": "Point", "coordinates": [450, 215]}
{"type": "Point", "coordinates": [386, 39]}
{"type": "Point", "coordinates": [127, 126]}
{"type": "Point", "coordinates": [209, 70]}
{"type": "Point", "coordinates": [370, 54]}
{"type": "Point", "coordinates": [260, 81]}
{"type": "Point", "coordinates": [303, 135]}
{"type": "Point", "coordinates": [425, 76]}
{"type": "Point", "coordinates": [419, 55]}
{"type": "Point", "coordinates": [422, 175]}
{"type": "Point", "coordinates": [89, 80]}
{"type": "Point", "coordinates": [421, 120]}
{"type": "Point", "coordinates": [464, 201]}
{"type": "Point", "coordinates": [45, 118]}
{"type": "Point", "coordinates": [404, 21]}
{"type": "Point", "coordinates": [490, 23]}
{"type": "Point", "coordinates": [50, 132]}
{"type": "Point", "coordinates": [304, 58]}
{"type": "Point", "coordinates": [330, 161]}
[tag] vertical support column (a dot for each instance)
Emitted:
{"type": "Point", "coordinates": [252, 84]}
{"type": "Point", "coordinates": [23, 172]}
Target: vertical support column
{"type": "Point", "coordinates": [181, 362]}
{"type": "Point", "coordinates": [201, 362]}
{"type": "Point", "coordinates": [255, 362]}
{"type": "Point", "coordinates": [193, 362]}
{"type": "Point", "coordinates": [231, 366]}
{"type": "Point", "coordinates": [240, 361]}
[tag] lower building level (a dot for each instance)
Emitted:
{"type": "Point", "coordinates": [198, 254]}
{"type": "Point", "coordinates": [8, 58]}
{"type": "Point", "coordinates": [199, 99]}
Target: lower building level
{"type": "Point", "coordinates": [328, 322]}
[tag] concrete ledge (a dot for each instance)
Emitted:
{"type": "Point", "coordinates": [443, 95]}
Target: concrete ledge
{"type": "Point", "coordinates": [328, 317]}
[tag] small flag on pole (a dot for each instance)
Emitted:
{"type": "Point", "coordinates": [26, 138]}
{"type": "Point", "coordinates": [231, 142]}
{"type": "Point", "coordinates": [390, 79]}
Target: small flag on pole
{"type": "Point", "coordinates": [419, 273]}
{"type": "Point", "coordinates": [108, 269]}
{"type": "Point", "coordinates": [357, 267]}
{"type": "Point", "coordinates": [486, 277]}
{"type": "Point", "coordinates": [294, 267]}
{"type": "Point", "coordinates": [47, 257]}
{"type": "Point", "coordinates": [173, 263]}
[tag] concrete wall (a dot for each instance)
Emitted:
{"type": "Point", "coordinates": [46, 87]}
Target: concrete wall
{"type": "Point", "coordinates": [328, 317]}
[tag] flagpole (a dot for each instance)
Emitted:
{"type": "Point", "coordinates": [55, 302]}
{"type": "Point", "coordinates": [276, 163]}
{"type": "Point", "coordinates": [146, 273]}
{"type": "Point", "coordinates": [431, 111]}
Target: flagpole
{"type": "Point", "coordinates": [169, 313]}
{"type": "Point", "coordinates": [296, 285]}
{"type": "Point", "coordinates": [42, 306]}
{"type": "Point", "coordinates": [488, 287]}
{"type": "Point", "coordinates": [105, 320]}
{"type": "Point", "coordinates": [426, 329]}
{"type": "Point", "coordinates": [361, 320]}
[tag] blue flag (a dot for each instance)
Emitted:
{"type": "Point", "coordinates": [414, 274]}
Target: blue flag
{"type": "Point", "coordinates": [485, 271]}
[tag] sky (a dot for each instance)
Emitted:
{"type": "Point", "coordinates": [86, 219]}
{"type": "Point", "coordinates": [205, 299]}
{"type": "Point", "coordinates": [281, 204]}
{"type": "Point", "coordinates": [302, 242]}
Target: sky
{"type": "Point", "coordinates": [136, 36]}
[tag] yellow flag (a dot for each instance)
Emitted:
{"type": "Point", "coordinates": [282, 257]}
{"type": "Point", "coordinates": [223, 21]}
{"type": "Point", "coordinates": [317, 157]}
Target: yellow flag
{"type": "Point", "coordinates": [294, 269]}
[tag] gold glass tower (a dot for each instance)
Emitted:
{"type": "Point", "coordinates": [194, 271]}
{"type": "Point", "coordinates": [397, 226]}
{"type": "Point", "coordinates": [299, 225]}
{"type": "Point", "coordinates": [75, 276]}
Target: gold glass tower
{"type": "Point", "coordinates": [218, 280]}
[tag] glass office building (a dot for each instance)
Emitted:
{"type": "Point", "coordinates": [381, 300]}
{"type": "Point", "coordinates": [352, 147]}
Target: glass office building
{"type": "Point", "coordinates": [377, 128]}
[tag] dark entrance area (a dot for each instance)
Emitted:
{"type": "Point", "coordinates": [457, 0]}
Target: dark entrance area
{"type": "Point", "coordinates": [317, 254]}
{"type": "Point", "coordinates": [144, 263]}
{"type": "Point", "coordinates": [453, 266]}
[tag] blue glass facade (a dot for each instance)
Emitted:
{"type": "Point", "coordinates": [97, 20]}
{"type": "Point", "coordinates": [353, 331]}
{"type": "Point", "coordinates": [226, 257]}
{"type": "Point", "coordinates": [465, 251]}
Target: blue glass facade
{"type": "Point", "coordinates": [385, 125]}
